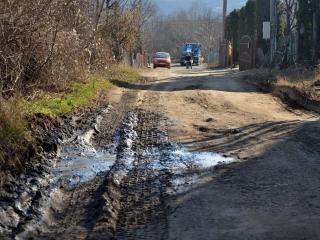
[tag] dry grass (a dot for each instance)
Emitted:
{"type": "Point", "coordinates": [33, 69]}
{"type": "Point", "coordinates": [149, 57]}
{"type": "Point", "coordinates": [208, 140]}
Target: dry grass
{"type": "Point", "coordinates": [12, 124]}
{"type": "Point", "coordinates": [13, 139]}
{"type": "Point", "coordinates": [299, 78]}
{"type": "Point", "coordinates": [302, 80]}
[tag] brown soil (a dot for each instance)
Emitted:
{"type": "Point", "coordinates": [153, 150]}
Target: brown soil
{"type": "Point", "coordinates": [271, 193]}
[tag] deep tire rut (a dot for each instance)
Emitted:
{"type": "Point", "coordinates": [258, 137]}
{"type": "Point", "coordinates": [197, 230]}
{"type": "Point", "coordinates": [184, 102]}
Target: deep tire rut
{"type": "Point", "coordinates": [144, 190]}
{"type": "Point", "coordinates": [129, 201]}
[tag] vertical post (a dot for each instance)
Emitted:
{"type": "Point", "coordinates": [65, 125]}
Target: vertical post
{"type": "Point", "coordinates": [273, 31]}
{"type": "Point", "coordinates": [224, 19]}
{"type": "Point", "coordinates": [223, 43]}
{"type": "Point", "coordinates": [315, 32]}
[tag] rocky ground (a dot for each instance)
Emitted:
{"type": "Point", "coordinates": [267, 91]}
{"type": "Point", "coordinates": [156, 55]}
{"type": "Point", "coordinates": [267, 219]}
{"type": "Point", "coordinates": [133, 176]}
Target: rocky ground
{"type": "Point", "coordinates": [197, 154]}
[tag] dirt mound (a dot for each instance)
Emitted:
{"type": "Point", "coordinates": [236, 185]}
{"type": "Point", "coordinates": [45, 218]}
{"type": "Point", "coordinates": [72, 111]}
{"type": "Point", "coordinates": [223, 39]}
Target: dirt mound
{"type": "Point", "coordinates": [296, 95]}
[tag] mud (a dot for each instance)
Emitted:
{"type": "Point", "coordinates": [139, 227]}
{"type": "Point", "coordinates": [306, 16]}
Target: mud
{"type": "Point", "coordinates": [148, 166]}
{"type": "Point", "coordinates": [111, 191]}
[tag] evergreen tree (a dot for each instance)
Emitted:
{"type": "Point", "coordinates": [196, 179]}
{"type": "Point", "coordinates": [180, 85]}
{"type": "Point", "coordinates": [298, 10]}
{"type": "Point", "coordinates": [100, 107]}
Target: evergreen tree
{"type": "Point", "coordinates": [307, 8]}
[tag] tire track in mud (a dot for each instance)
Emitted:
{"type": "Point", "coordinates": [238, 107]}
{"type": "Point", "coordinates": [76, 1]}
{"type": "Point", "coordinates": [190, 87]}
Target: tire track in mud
{"type": "Point", "coordinates": [74, 211]}
{"type": "Point", "coordinates": [130, 201]}
{"type": "Point", "coordinates": [112, 122]}
{"type": "Point", "coordinates": [144, 190]}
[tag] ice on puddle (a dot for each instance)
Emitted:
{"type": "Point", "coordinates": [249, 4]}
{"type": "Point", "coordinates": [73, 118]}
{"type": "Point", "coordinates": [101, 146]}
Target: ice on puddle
{"type": "Point", "coordinates": [179, 158]}
{"type": "Point", "coordinates": [76, 166]}
{"type": "Point", "coordinates": [200, 159]}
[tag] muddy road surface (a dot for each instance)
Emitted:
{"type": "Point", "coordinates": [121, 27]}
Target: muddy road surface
{"type": "Point", "coordinates": [186, 154]}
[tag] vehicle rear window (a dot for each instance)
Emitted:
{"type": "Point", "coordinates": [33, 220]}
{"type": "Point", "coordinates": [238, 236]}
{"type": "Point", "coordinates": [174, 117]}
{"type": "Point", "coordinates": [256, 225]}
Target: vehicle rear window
{"type": "Point", "coordinates": [161, 55]}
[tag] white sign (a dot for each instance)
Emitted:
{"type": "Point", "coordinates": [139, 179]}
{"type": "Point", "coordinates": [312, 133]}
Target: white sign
{"type": "Point", "coordinates": [266, 30]}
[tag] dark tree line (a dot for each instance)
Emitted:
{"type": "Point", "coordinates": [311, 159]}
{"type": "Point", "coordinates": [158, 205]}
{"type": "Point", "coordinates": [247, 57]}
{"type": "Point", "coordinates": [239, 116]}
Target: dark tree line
{"type": "Point", "coordinates": [309, 31]}
{"type": "Point", "coordinates": [300, 18]}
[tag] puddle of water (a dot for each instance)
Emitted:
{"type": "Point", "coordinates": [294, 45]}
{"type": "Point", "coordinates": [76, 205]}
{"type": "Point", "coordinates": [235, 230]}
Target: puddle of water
{"type": "Point", "coordinates": [200, 160]}
{"type": "Point", "coordinates": [179, 159]}
{"type": "Point", "coordinates": [77, 166]}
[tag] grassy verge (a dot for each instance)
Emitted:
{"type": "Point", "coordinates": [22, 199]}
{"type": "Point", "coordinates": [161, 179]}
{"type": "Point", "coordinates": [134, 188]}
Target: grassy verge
{"type": "Point", "coordinates": [17, 143]}
{"type": "Point", "coordinates": [298, 79]}
{"type": "Point", "coordinates": [77, 94]}
{"type": "Point", "coordinates": [13, 138]}
{"type": "Point", "coordinates": [80, 94]}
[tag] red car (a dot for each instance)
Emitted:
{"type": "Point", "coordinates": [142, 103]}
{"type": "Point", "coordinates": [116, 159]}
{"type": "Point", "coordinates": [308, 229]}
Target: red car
{"type": "Point", "coordinates": [162, 59]}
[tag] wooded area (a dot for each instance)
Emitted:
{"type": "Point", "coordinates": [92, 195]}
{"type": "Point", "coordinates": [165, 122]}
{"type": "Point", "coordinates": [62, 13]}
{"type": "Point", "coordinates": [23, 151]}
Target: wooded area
{"type": "Point", "coordinates": [51, 42]}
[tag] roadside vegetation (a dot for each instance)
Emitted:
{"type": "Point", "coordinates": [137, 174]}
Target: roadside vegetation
{"type": "Point", "coordinates": [298, 87]}
{"type": "Point", "coordinates": [297, 31]}
{"type": "Point", "coordinates": [79, 94]}
{"type": "Point", "coordinates": [16, 112]}
{"type": "Point", "coordinates": [12, 124]}
{"type": "Point", "coordinates": [13, 111]}
{"type": "Point", "coordinates": [13, 138]}
{"type": "Point", "coordinates": [56, 56]}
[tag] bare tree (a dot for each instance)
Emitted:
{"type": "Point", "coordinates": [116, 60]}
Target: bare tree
{"type": "Point", "coordinates": [50, 42]}
{"type": "Point", "coordinates": [288, 12]}
{"type": "Point", "coordinates": [290, 8]}
{"type": "Point", "coordinates": [168, 33]}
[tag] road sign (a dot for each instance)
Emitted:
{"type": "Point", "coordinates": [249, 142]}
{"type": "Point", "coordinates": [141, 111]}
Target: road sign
{"type": "Point", "coordinates": [266, 30]}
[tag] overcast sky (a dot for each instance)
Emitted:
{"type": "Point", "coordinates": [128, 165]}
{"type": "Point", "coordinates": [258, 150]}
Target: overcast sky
{"type": "Point", "coordinates": [168, 6]}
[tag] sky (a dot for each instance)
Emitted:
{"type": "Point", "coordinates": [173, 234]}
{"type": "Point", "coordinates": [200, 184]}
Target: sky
{"type": "Point", "coordinates": [168, 6]}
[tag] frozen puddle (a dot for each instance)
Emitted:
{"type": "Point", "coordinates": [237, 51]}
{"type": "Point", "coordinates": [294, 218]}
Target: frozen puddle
{"type": "Point", "coordinates": [187, 167]}
{"type": "Point", "coordinates": [178, 159]}
{"type": "Point", "coordinates": [201, 160]}
{"type": "Point", "coordinates": [190, 168]}
{"type": "Point", "coordinates": [76, 165]}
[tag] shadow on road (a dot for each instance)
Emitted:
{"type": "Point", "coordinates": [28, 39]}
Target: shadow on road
{"type": "Point", "coordinates": [198, 80]}
{"type": "Point", "coordinates": [272, 196]}
{"type": "Point", "coordinates": [232, 139]}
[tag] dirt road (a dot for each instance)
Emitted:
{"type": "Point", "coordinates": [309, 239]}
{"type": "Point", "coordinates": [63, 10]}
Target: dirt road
{"type": "Point", "coordinates": [197, 154]}
{"type": "Point", "coordinates": [274, 192]}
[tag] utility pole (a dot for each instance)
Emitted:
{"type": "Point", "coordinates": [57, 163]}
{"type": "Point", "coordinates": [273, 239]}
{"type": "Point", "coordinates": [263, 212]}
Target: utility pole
{"type": "Point", "coordinates": [223, 42]}
{"type": "Point", "coordinates": [273, 29]}
{"type": "Point", "coordinates": [225, 4]}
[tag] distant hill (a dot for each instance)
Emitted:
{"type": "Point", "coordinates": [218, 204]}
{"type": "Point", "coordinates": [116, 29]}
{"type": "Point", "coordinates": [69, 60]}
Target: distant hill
{"type": "Point", "coordinates": [168, 6]}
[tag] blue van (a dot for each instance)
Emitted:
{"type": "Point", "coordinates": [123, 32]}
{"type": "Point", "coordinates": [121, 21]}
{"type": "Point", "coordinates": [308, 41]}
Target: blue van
{"type": "Point", "coordinates": [191, 48]}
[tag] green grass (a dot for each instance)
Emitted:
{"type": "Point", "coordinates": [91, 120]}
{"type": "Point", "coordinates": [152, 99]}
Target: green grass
{"type": "Point", "coordinates": [13, 112]}
{"type": "Point", "coordinates": [14, 135]}
{"type": "Point", "coordinates": [81, 94]}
